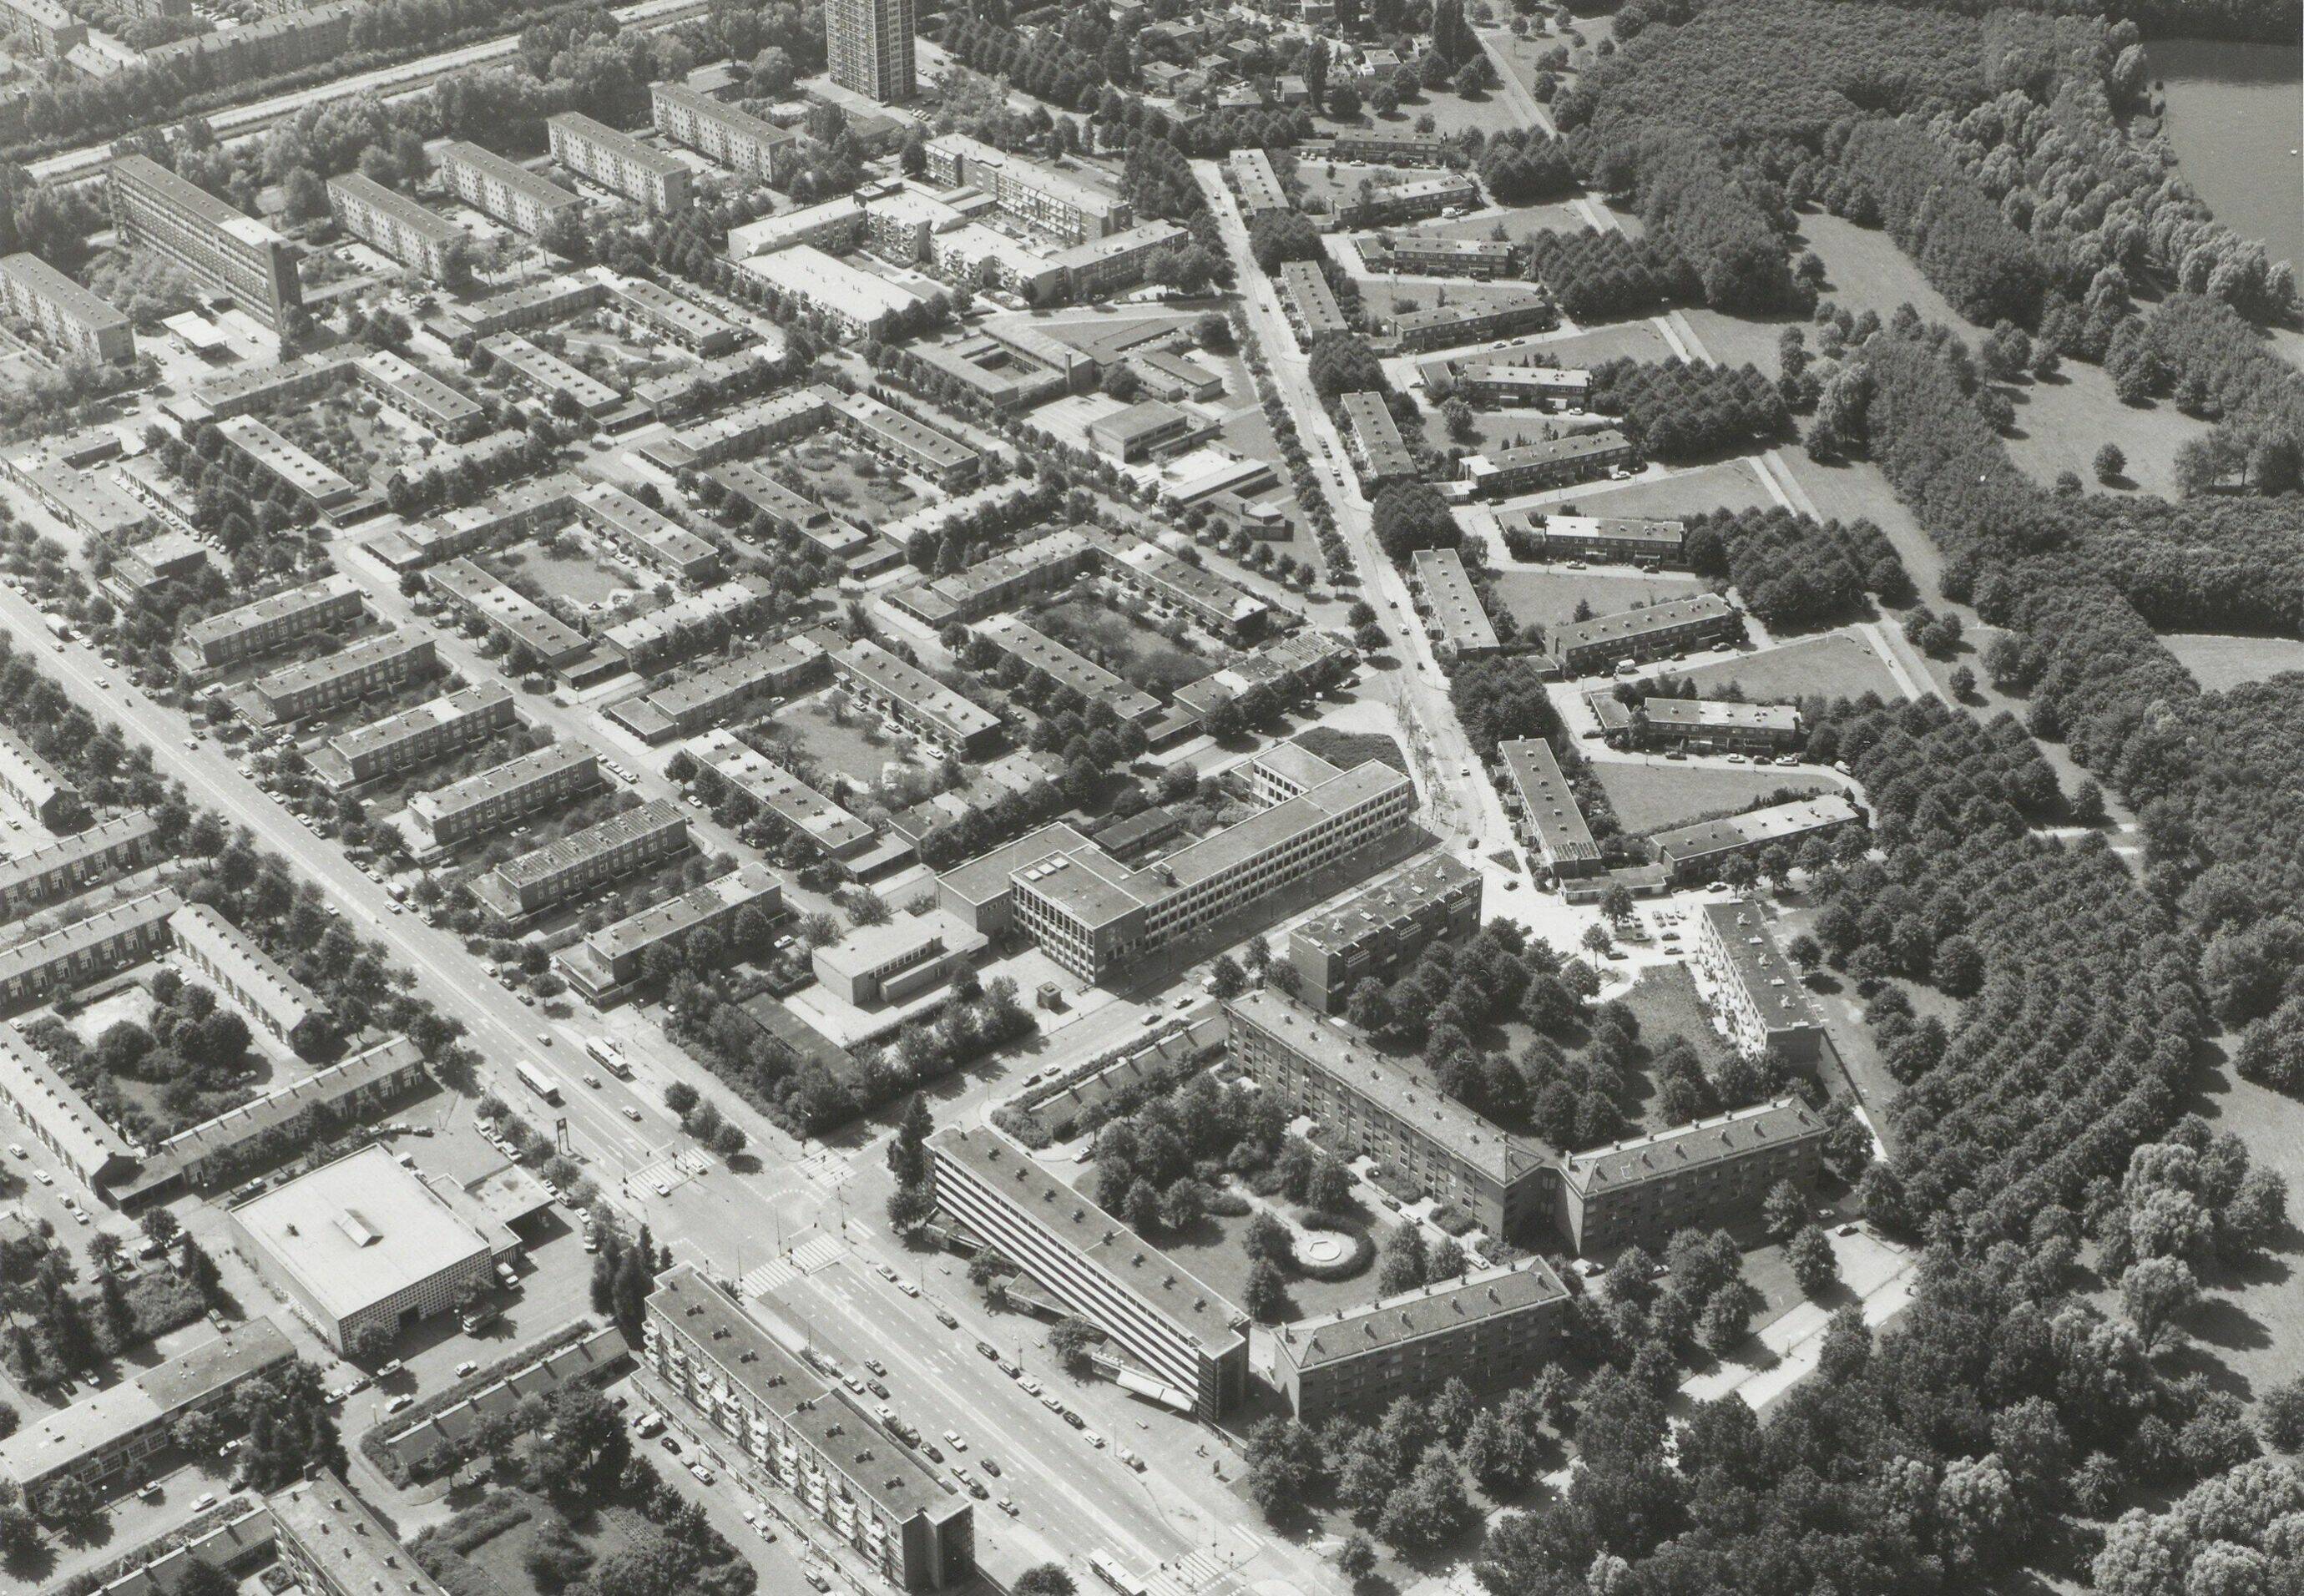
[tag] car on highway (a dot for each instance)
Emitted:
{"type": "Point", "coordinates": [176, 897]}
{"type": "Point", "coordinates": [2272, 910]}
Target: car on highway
{"type": "Point", "coordinates": [670, 1444]}
{"type": "Point", "coordinates": [703, 1476]}
{"type": "Point", "coordinates": [876, 1365]}
{"type": "Point", "coordinates": [884, 1271]}
{"type": "Point", "coordinates": [467, 1369]}
{"type": "Point", "coordinates": [877, 1389]}
{"type": "Point", "coordinates": [1008, 1506]}
{"type": "Point", "coordinates": [631, 1114]}
{"type": "Point", "coordinates": [1093, 1438]}
{"type": "Point", "coordinates": [946, 1320]}
{"type": "Point", "coordinates": [933, 1455]}
{"type": "Point", "coordinates": [908, 1289]}
{"type": "Point", "coordinates": [990, 1352]}
{"type": "Point", "coordinates": [990, 1467]}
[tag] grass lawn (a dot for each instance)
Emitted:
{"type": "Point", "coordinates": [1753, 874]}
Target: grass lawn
{"type": "Point", "coordinates": [851, 482]}
{"type": "Point", "coordinates": [1724, 484]}
{"type": "Point", "coordinates": [2061, 424]}
{"type": "Point", "coordinates": [1548, 598]}
{"type": "Point", "coordinates": [1212, 1250]}
{"type": "Point", "coordinates": [2251, 1319]}
{"type": "Point", "coordinates": [1518, 221]}
{"type": "Point", "coordinates": [1492, 113]}
{"type": "Point", "coordinates": [1387, 298]}
{"type": "Point", "coordinates": [563, 565]}
{"type": "Point", "coordinates": [1837, 665]}
{"type": "Point", "coordinates": [1663, 1000]}
{"type": "Point", "coordinates": [503, 1557]}
{"type": "Point", "coordinates": [1498, 429]}
{"type": "Point", "coordinates": [1631, 340]}
{"type": "Point", "coordinates": [1330, 183]}
{"type": "Point", "coordinates": [1654, 798]}
{"type": "Point", "coordinates": [1137, 654]}
{"type": "Point", "coordinates": [1345, 749]}
{"type": "Point", "coordinates": [2220, 663]}
{"type": "Point", "coordinates": [856, 750]}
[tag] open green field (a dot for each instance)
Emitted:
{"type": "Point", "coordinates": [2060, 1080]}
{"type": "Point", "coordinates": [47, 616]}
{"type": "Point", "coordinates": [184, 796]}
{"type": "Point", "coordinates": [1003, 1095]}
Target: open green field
{"type": "Point", "coordinates": [1724, 484]}
{"type": "Point", "coordinates": [1492, 430]}
{"type": "Point", "coordinates": [2220, 663]}
{"type": "Point", "coordinates": [1548, 598]}
{"type": "Point", "coordinates": [1653, 798]}
{"type": "Point", "coordinates": [1518, 221]}
{"type": "Point", "coordinates": [1837, 665]}
{"type": "Point", "coordinates": [563, 565]}
{"type": "Point", "coordinates": [1627, 341]}
{"type": "Point", "coordinates": [1387, 298]}
{"type": "Point", "coordinates": [841, 740]}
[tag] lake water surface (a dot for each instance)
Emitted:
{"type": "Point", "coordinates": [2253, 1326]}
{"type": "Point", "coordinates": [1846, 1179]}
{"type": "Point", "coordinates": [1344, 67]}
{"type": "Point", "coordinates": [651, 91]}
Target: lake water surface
{"type": "Point", "coordinates": [2236, 117]}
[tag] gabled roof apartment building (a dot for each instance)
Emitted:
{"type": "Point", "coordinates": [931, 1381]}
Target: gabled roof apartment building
{"type": "Point", "coordinates": [655, 831]}
{"type": "Point", "coordinates": [1676, 626]}
{"type": "Point", "coordinates": [259, 628]}
{"type": "Point", "coordinates": [69, 864]}
{"type": "Point", "coordinates": [1714, 1172]}
{"type": "Point", "coordinates": [1495, 1329]}
{"type": "Point", "coordinates": [1372, 933]}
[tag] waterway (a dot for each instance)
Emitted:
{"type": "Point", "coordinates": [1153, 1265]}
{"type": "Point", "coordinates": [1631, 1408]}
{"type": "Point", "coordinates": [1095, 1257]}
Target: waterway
{"type": "Point", "coordinates": [2236, 118]}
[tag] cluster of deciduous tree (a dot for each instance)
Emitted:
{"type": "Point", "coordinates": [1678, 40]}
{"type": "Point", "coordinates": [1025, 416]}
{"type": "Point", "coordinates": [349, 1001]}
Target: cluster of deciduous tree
{"type": "Point", "coordinates": [2218, 366]}
{"type": "Point", "coordinates": [1893, 174]}
{"type": "Point", "coordinates": [1523, 166]}
{"type": "Point", "coordinates": [1791, 571]}
{"type": "Point", "coordinates": [1054, 73]}
{"type": "Point", "coordinates": [1596, 275]}
{"type": "Point", "coordinates": [1159, 1166]}
{"type": "Point", "coordinates": [1676, 410]}
{"type": "Point", "coordinates": [1932, 1460]}
{"type": "Point", "coordinates": [1408, 516]}
{"type": "Point", "coordinates": [1276, 237]}
{"type": "Point", "coordinates": [2069, 1049]}
{"type": "Point", "coordinates": [1500, 699]}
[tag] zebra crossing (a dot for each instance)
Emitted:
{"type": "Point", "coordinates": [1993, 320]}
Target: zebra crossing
{"type": "Point", "coordinates": [1196, 1572]}
{"type": "Point", "coordinates": [804, 1259]}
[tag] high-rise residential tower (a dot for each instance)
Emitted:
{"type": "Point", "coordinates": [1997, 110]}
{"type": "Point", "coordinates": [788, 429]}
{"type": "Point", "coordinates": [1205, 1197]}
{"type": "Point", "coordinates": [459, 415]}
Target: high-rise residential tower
{"type": "Point", "coordinates": [869, 44]}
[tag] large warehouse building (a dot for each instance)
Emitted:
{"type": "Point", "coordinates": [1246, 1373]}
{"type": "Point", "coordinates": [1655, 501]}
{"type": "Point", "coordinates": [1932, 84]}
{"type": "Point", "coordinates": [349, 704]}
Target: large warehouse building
{"type": "Point", "coordinates": [362, 1242]}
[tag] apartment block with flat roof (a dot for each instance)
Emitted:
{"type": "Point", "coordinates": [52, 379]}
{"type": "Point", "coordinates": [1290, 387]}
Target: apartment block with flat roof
{"type": "Point", "coordinates": [768, 786]}
{"type": "Point", "coordinates": [1002, 580]}
{"type": "Point", "coordinates": [1453, 615]}
{"type": "Point", "coordinates": [1412, 201]}
{"type": "Point", "coordinates": [610, 958]}
{"type": "Point", "coordinates": [268, 624]}
{"type": "Point", "coordinates": [334, 1546]}
{"type": "Point", "coordinates": [415, 736]}
{"type": "Point", "coordinates": [868, 47]}
{"type": "Point", "coordinates": [1257, 184]}
{"type": "Point", "coordinates": [1116, 260]}
{"type": "Point", "coordinates": [785, 1419]}
{"type": "Point", "coordinates": [437, 406]}
{"type": "Point", "coordinates": [1183, 1340]}
{"type": "Point", "coordinates": [1050, 201]}
{"type": "Point", "coordinates": [859, 303]}
{"type": "Point", "coordinates": [1038, 652]}
{"type": "Point", "coordinates": [711, 693]}
{"type": "Point", "coordinates": [1312, 300]}
{"type": "Point", "coordinates": [548, 376]}
{"type": "Point", "coordinates": [1094, 915]}
{"type": "Point", "coordinates": [503, 188]}
{"type": "Point", "coordinates": [1178, 585]}
{"type": "Point", "coordinates": [1446, 326]}
{"type": "Point", "coordinates": [1387, 147]}
{"type": "Point", "coordinates": [346, 677]}
{"type": "Point", "coordinates": [1554, 462]}
{"type": "Point", "coordinates": [915, 700]}
{"type": "Point", "coordinates": [686, 625]}
{"type": "Point", "coordinates": [496, 797]}
{"type": "Point", "coordinates": [1372, 934]}
{"type": "Point", "coordinates": [530, 629]}
{"type": "Point", "coordinates": [69, 864]}
{"type": "Point", "coordinates": [1547, 811]}
{"type": "Point", "coordinates": [617, 162]}
{"type": "Point", "coordinates": [754, 148]}
{"type": "Point", "coordinates": [900, 959]}
{"type": "Point", "coordinates": [1715, 1173]}
{"type": "Point", "coordinates": [1710, 725]}
{"type": "Point", "coordinates": [1391, 1107]}
{"type": "Point", "coordinates": [1621, 539]}
{"type": "Point", "coordinates": [322, 486]}
{"type": "Point", "coordinates": [1756, 991]}
{"type": "Point", "coordinates": [398, 226]}
{"type": "Point", "coordinates": [49, 27]}
{"type": "Point", "coordinates": [82, 324]}
{"type": "Point", "coordinates": [1494, 1330]}
{"type": "Point", "coordinates": [582, 860]}
{"type": "Point", "coordinates": [1693, 852]}
{"type": "Point", "coordinates": [102, 1441]}
{"type": "Point", "coordinates": [225, 251]}
{"type": "Point", "coordinates": [532, 305]}
{"type": "Point", "coordinates": [1439, 255]}
{"type": "Point", "coordinates": [1676, 626]}
{"type": "Point", "coordinates": [648, 536]}
{"type": "Point", "coordinates": [245, 973]}
{"type": "Point", "coordinates": [1378, 451]}
{"type": "Point", "coordinates": [1486, 384]}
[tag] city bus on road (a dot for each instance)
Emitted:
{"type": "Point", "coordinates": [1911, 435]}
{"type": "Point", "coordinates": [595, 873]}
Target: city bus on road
{"type": "Point", "coordinates": [1108, 1569]}
{"type": "Point", "coordinates": [610, 1057]}
{"type": "Point", "coordinates": [537, 1082]}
